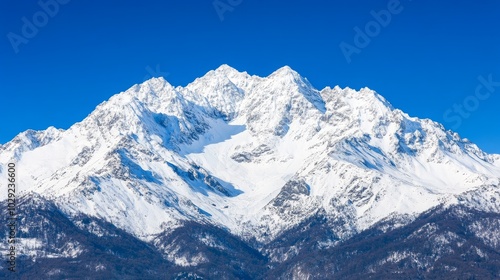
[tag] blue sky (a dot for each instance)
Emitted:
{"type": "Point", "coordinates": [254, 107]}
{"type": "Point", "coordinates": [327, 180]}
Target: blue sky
{"type": "Point", "coordinates": [431, 59]}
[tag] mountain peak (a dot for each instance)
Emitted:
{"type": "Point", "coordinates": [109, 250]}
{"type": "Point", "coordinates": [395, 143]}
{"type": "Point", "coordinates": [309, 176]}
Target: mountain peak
{"type": "Point", "coordinates": [224, 68]}
{"type": "Point", "coordinates": [156, 81]}
{"type": "Point", "coordinates": [223, 73]}
{"type": "Point", "coordinates": [286, 72]}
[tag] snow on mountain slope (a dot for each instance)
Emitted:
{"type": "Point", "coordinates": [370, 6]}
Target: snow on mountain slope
{"type": "Point", "coordinates": [29, 140]}
{"type": "Point", "coordinates": [256, 155]}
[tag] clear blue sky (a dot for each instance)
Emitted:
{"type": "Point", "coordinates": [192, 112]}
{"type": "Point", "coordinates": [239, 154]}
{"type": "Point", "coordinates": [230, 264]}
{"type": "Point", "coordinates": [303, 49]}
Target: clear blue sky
{"type": "Point", "coordinates": [425, 60]}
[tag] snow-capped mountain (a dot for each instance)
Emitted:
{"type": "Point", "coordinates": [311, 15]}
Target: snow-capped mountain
{"type": "Point", "coordinates": [254, 156]}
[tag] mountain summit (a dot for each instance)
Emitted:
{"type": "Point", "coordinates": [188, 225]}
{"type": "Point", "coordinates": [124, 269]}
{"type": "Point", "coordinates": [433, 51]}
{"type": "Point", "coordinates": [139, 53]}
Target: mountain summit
{"type": "Point", "coordinates": [253, 156]}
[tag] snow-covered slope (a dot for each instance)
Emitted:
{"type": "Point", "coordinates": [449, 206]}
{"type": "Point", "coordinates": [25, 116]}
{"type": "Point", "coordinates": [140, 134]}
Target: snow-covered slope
{"type": "Point", "coordinates": [255, 155]}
